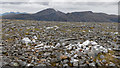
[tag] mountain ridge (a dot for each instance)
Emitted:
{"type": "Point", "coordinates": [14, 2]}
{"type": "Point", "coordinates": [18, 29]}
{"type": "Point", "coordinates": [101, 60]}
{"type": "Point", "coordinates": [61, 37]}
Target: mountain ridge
{"type": "Point", "coordinates": [51, 14]}
{"type": "Point", "coordinates": [7, 13]}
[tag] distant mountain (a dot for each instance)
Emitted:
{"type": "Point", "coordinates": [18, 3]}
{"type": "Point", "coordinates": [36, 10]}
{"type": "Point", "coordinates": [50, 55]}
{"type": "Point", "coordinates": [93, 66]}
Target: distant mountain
{"type": "Point", "coordinates": [7, 13]}
{"type": "Point", "coordinates": [53, 15]}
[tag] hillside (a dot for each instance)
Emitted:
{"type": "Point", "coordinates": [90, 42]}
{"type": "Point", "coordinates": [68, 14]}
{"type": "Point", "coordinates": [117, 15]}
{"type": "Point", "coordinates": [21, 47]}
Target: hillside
{"type": "Point", "coordinates": [52, 15]}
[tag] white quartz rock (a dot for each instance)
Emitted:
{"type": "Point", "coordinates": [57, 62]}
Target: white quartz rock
{"type": "Point", "coordinates": [75, 55]}
{"type": "Point", "coordinates": [49, 27]}
{"type": "Point", "coordinates": [52, 47]}
{"type": "Point", "coordinates": [87, 42]}
{"type": "Point", "coordinates": [69, 47]}
{"type": "Point", "coordinates": [46, 46]}
{"type": "Point", "coordinates": [93, 43]}
{"type": "Point", "coordinates": [80, 45]}
{"type": "Point", "coordinates": [34, 37]}
{"type": "Point", "coordinates": [39, 45]}
{"type": "Point", "coordinates": [33, 40]}
{"type": "Point", "coordinates": [57, 45]}
{"type": "Point", "coordinates": [86, 50]}
{"type": "Point", "coordinates": [74, 60]}
{"type": "Point", "coordinates": [26, 40]}
{"type": "Point", "coordinates": [116, 33]}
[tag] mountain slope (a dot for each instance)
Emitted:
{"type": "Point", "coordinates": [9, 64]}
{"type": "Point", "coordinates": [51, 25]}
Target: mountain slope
{"type": "Point", "coordinates": [9, 13]}
{"type": "Point", "coordinates": [53, 15]}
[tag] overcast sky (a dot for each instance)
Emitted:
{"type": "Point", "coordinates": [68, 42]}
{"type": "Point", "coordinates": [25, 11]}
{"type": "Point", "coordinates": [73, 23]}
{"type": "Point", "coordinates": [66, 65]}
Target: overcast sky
{"type": "Point", "coordinates": [33, 6]}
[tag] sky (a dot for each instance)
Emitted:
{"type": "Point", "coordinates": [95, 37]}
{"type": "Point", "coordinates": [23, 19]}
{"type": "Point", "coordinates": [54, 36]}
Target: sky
{"type": "Point", "coordinates": [67, 6]}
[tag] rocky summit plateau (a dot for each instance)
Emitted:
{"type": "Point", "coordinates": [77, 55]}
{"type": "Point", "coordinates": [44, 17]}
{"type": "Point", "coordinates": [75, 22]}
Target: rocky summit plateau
{"type": "Point", "coordinates": [43, 43]}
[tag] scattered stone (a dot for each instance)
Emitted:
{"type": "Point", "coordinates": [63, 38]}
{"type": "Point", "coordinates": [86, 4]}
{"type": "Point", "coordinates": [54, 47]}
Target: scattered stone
{"type": "Point", "coordinates": [111, 64]}
{"type": "Point", "coordinates": [26, 40]}
{"type": "Point", "coordinates": [29, 65]}
{"type": "Point", "coordinates": [14, 64]}
{"type": "Point", "coordinates": [58, 44]}
{"type": "Point", "coordinates": [103, 60]}
{"type": "Point", "coordinates": [63, 57]}
{"type": "Point", "coordinates": [92, 64]}
{"type": "Point", "coordinates": [102, 56]}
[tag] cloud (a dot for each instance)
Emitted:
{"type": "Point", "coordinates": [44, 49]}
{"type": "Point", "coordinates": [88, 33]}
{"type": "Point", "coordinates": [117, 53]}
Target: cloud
{"type": "Point", "coordinates": [86, 6]}
{"type": "Point", "coordinates": [14, 0]}
{"type": "Point", "coordinates": [18, 3]}
{"type": "Point", "coordinates": [33, 6]}
{"type": "Point", "coordinates": [59, 0]}
{"type": "Point", "coordinates": [29, 8]}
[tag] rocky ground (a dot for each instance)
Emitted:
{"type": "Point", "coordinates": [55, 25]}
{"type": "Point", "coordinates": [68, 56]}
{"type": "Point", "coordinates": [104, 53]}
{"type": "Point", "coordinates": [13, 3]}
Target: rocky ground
{"type": "Point", "coordinates": [40, 43]}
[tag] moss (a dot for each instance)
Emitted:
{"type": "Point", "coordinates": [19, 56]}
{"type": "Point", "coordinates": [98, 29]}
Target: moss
{"type": "Point", "coordinates": [27, 34]}
{"type": "Point", "coordinates": [115, 40]}
{"type": "Point", "coordinates": [10, 40]}
{"type": "Point", "coordinates": [28, 29]}
{"type": "Point", "coordinates": [53, 56]}
{"type": "Point", "coordinates": [53, 64]}
{"type": "Point", "coordinates": [36, 29]}
{"type": "Point", "coordinates": [108, 57]}
{"type": "Point", "coordinates": [91, 27]}
{"type": "Point", "coordinates": [29, 44]}
{"type": "Point", "coordinates": [70, 64]}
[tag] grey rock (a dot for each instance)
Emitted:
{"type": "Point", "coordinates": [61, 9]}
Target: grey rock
{"type": "Point", "coordinates": [92, 64]}
{"type": "Point", "coordinates": [14, 64]}
{"type": "Point", "coordinates": [103, 60]}
{"type": "Point", "coordinates": [64, 65]}
{"type": "Point", "coordinates": [75, 63]}
{"type": "Point", "coordinates": [41, 65]}
{"type": "Point", "coordinates": [65, 61]}
{"type": "Point", "coordinates": [102, 56]}
{"type": "Point", "coordinates": [29, 65]}
{"type": "Point", "coordinates": [111, 64]}
{"type": "Point", "coordinates": [22, 63]}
